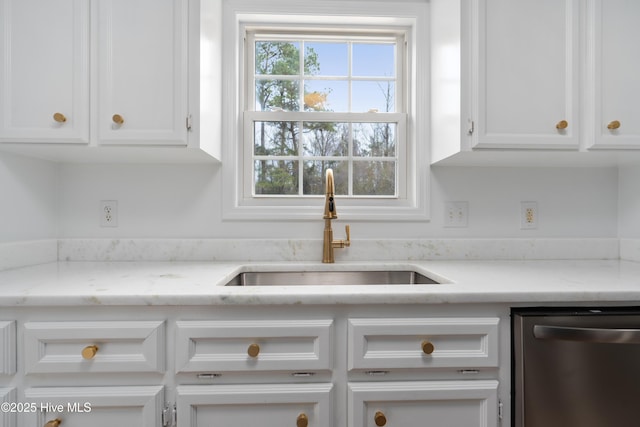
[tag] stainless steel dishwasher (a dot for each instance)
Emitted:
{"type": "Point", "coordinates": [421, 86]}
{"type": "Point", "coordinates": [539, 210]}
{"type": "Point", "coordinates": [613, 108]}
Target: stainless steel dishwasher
{"type": "Point", "coordinates": [576, 367]}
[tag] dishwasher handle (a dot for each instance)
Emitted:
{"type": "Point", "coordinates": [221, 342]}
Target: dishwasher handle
{"type": "Point", "coordinates": [587, 335]}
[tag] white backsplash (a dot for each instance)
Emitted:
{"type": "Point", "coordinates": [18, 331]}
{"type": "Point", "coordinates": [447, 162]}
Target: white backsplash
{"type": "Point", "coordinates": [18, 254]}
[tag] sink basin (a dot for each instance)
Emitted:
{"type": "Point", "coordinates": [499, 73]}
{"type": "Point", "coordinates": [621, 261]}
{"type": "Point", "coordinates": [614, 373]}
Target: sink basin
{"type": "Point", "coordinates": [302, 278]}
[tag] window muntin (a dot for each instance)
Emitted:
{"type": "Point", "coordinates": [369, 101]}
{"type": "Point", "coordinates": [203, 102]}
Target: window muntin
{"type": "Point", "coordinates": [325, 101]}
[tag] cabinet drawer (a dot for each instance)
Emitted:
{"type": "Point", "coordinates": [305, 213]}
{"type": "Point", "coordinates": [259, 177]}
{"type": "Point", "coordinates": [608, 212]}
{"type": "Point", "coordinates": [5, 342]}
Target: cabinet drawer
{"type": "Point", "coordinates": [254, 345]}
{"type": "Point", "coordinates": [434, 403]}
{"type": "Point", "coordinates": [7, 347]}
{"type": "Point", "coordinates": [102, 346]}
{"type": "Point", "coordinates": [251, 404]}
{"type": "Point", "coordinates": [423, 343]}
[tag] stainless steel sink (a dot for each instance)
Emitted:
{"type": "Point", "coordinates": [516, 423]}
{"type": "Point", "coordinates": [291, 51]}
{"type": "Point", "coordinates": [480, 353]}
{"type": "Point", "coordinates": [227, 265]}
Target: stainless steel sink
{"type": "Point", "coordinates": [302, 278]}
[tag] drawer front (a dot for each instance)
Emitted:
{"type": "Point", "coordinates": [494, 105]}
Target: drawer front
{"type": "Point", "coordinates": [7, 347]}
{"type": "Point", "coordinates": [423, 343]}
{"type": "Point", "coordinates": [103, 346]}
{"type": "Point", "coordinates": [256, 404]}
{"type": "Point", "coordinates": [255, 345]}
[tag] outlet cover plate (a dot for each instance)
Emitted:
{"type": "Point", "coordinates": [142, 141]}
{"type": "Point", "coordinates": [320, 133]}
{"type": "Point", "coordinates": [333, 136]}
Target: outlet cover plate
{"type": "Point", "coordinates": [456, 214]}
{"type": "Point", "coordinates": [528, 215]}
{"type": "Point", "coordinates": [108, 213]}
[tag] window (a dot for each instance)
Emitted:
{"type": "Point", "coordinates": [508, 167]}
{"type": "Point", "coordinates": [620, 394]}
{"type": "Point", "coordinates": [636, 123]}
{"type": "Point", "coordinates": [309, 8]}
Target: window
{"type": "Point", "coordinates": [308, 89]}
{"type": "Point", "coordinates": [319, 101]}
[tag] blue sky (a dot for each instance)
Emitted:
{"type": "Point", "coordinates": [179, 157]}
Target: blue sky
{"type": "Point", "coordinates": [369, 60]}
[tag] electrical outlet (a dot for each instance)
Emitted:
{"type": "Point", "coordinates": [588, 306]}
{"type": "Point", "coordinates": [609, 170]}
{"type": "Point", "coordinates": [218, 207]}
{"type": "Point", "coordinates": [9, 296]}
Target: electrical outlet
{"type": "Point", "coordinates": [456, 214]}
{"type": "Point", "coordinates": [528, 215]}
{"type": "Point", "coordinates": [108, 213]}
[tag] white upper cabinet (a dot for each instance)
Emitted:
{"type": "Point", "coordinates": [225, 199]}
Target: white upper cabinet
{"type": "Point", "coordinates": [44, 71]}
{"type": "Point", "coordinates": [613, 64]}
{"type": "Point", "coordinates": [120, 79]}
{"type": "Point", "coordinates": [142, 64]}
{"type": "Point", "coordinates": [525, 75]}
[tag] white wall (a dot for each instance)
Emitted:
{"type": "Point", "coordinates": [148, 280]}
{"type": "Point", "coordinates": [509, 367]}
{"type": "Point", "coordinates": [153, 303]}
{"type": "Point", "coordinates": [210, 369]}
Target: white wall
{"type": "Point", "coordinates": [28, 202]}
{"type": "Point", "coordinates": [629, 205]}
{"type": "Point", "coordinates": [168, 201]}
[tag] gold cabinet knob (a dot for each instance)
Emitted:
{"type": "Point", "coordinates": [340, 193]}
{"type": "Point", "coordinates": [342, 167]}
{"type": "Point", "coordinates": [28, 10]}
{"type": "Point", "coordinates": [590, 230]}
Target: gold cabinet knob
{"type": "Point", "coordinates": [427, 347]}
{"type": "Point", "coordinates": [613, 125]}
{"type": "Point", "coordinates": [253, 350]}
{"type": "Point", "coordinates": [562, 124]}
{"type": "Point", "coordinates": [302, 420]}
{"type": "Point", "coordinates": [53, 423]}
{"type": "Point", "coordinates": [89, 352]}
{"type": "Point", "coordinates": [59, 118]}
{"type": "Point", "coordinates": [380, 418]}
{"type": "Point", "coordinates": [117, 119]}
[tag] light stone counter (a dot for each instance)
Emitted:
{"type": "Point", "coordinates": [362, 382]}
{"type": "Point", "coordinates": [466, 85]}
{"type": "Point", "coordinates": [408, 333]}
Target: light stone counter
{"type": "Point", "coordinates": [90, 283]}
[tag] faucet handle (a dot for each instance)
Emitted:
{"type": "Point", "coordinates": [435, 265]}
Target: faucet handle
{"type": "Point", "coordinates": [347, 230]}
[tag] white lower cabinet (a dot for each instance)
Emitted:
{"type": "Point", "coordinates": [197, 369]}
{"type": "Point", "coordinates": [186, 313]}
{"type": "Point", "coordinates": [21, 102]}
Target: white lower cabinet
{"type": "Point", "coordinates": [268, 405]}
{"type": "Point", "coordinates": [135, 406]}
{"type": "Point", "coordinates": [306, 366]}
{"type": "Point", "coordinates": [432, 403]}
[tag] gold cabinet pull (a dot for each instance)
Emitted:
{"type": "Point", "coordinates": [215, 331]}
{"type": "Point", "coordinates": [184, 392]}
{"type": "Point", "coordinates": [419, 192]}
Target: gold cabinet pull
{"type": "Point", "coordinates": [427, 347]}
{"type": "Point", "coordinates": [253, 350]}
{"type": "Point", "coordinates": [380, 419]}
{"type": "Point", "coordinates": [562, 125]}
{"type": "Point", "coordinates": [53, 423]}
{"type": "Point", "coordinates": [117, 119]}
{"type": "Point", "coordinates": [89, 352]}
{"type": "Point", "coordinates": [302, 420]}
{"type": "Point", "coordinates": [59, 118]}
{"type": "Point", "coordinates": [613, 125]}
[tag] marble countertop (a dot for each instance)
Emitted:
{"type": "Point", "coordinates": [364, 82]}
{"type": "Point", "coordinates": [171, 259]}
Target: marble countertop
{"type": "Point", "coordinates": [202, 283]}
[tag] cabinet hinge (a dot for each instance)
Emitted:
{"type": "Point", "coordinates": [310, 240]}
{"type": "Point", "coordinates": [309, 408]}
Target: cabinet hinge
{"type": "Point", "coordinates": [471, 127]}
{"type": "Point", "coordinates": [500, 410]}
{"type": "Point", "coordinates": [169, 418]}
{"type": "Point", "coordinates": [188, 122]}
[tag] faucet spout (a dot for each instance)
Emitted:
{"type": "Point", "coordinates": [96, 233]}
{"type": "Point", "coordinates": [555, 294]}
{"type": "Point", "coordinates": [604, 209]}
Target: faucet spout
{"type": "Point", "coordinates": [330, 213]}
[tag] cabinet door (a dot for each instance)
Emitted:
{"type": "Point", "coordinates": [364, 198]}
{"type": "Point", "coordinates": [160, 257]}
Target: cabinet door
{"type": "Point", "coordinates": [95, 406]}
{"type": "Point", "coordinates": [614, 64]}
{"type": "Point", "coordinates": [268, 405]}
{"type": "Point", "coordinates": [142, 71]}
{"type": "Point", "coordinates": [525, 74]}
{"type": "Point", "coordinates": [44, 74]}
{"type": "Point", "coordinates": [432, 403]}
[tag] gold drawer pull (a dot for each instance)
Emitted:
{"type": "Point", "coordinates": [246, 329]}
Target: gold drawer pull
{"type": "Point", "coordinates": [613, 125]}
{"type": "Point", "coordinates": [302, 420]}
{"type": "Point", "coordinates": [89, 352]}
{"type": "Point", "coordinates": [427, 347]}
{"type": "Point", "coordinates": [59, 118]}
{"type": "Point", "coordinates": [53, 423]}
{"type": "Point", "coordinates": [253, 350]}
{"type": "Point", "coordinates": [380, 419]}
{"type": "Point", "coordinates": [562, 124]}
{"type": "Point", "coordinates": [117, 119]}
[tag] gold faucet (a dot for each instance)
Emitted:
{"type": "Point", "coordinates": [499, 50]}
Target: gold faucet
{"type": "Point", "coordinates": [329, 214]}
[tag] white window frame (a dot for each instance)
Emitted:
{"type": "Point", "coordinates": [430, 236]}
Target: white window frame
{"type": "Point", "coordinates": [408, 17]}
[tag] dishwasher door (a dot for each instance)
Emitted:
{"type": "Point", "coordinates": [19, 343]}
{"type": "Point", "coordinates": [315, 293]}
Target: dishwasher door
{"type": "Point", "coordinates": [576, 367]}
